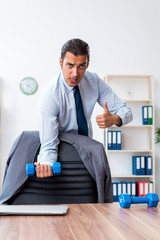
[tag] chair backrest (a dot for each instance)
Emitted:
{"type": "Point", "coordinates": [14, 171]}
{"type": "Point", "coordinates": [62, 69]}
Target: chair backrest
{"type": "Point", "coordinates": [74, 185]}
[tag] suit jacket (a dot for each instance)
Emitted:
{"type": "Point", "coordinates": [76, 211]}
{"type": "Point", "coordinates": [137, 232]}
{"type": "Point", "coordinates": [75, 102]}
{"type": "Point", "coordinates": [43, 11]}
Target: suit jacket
{"type": "Point", "coordinates": [26, 147]}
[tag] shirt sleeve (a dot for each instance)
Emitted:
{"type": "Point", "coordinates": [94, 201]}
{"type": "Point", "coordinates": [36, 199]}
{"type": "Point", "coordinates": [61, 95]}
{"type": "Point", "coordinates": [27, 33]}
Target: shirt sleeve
{"type": "Point", "coordinates": [49, 130]}
{"type": "Point", "coordinates": [114, 103]}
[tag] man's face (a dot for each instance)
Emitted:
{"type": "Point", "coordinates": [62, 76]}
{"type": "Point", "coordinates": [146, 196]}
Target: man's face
{"type": "Point", "coordinates": [73, 68]}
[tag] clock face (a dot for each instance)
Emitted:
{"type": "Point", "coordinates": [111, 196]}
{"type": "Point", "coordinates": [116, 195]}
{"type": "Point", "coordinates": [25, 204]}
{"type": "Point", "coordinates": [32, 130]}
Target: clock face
{"type": "Point", "coordinates": [28, 85]}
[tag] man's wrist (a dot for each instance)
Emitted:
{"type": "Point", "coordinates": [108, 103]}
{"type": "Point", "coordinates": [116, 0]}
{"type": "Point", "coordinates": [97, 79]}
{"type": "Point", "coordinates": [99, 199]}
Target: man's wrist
{"type": "Point", "coordinates": [117, 120]}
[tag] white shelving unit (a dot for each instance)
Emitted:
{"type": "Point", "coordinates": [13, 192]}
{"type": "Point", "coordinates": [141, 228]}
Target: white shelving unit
{"type": "Point", "coordinates": [137, 139]}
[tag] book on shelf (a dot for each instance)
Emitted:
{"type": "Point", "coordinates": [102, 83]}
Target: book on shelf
{"type": "Point", "coordinates": [138, 188]}
{"type": "Point", "coordinates": [114, 140]}
{"type": "Point", "coordinates": [123, 187]}
{"type": "Point", "coordinates": [148, 163]}
{"type": "Point", "coordinates": [143, 188]}
{"type": "Point", "coordinates": [147, 115]}
{"type": "Point", "coordinates": [142, 165]}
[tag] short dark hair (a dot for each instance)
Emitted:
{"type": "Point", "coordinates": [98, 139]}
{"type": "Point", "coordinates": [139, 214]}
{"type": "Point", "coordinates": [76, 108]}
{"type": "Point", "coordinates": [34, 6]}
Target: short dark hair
{"type": "Point", "coordinates": [75, 46]}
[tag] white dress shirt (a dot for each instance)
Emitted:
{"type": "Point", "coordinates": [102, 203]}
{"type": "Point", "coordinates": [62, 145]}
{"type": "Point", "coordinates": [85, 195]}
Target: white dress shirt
{"type": "Point", "coordinates": [58, 110]}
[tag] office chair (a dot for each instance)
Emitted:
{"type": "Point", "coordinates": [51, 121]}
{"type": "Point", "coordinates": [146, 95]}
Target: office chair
{"type": "Point", "coordinates": [74, 185]}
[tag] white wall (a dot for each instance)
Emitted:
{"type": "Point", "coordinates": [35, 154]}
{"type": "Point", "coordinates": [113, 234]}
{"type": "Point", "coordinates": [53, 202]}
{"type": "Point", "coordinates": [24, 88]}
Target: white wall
{"type": "Point", "coordinates": [124, 38]}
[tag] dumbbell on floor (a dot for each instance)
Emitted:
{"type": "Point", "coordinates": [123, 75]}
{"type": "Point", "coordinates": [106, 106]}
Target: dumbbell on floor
{"type": "Point", "coordinates": [125, 200]}
{"type": "Point", "coordinates": [31, 169]}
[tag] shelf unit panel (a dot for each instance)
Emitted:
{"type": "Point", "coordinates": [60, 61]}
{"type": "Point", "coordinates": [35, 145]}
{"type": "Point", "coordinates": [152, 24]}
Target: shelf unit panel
{"type": "Point", "coordinates": [133, 126]}
{"type": "Point", "coordinates": [126, 86]}
{"type": "Point", "coordinates": [137, 100]}
{"type": "Point", "coordinates": [133, 176]}
{"type": "Point", "coordinates": [142, 151]}
{"type": "Point", "coordinates": [138, 139]}
{"type": "Point", "coordinates": [135, 139]}
{"type": "Point", "coordinates": [121, 164]}
{"type": "Point", "coordinates": [137, 111]}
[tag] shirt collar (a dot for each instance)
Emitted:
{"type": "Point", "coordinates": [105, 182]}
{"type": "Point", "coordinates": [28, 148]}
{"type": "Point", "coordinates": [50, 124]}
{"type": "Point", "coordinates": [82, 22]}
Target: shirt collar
{"type": "Point", "coordinates": [65, 84]}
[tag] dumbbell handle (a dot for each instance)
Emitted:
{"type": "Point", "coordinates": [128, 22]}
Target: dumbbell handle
{"type": "Point", "coordinates": [139, 200]}
{"type": "Point", "coordinates": [31, 169]}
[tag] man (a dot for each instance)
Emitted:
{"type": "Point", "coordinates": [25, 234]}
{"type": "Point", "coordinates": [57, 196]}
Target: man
{"type": "Point", "coordinates": [58, 106]}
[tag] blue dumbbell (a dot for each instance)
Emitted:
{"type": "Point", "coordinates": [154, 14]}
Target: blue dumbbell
{"type": "Point", "coordinates": [125, 200]}
{"type": "Point", "coordinates": [31, 169]}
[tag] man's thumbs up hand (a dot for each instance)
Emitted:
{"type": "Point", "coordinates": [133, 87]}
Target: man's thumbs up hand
{"type": "Point", "coordinates": [107, 119]}
{"type": "Point", "coordinates": [106, 108]}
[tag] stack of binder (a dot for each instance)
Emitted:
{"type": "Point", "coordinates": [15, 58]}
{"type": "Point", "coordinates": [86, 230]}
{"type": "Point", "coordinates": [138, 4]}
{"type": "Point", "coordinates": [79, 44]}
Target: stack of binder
{"type": "Point", "coordinates": [142, 165]}
{"type": "Point", "coordinates": [114, 140]}
{"type": "Point", "coordinates": [143, 188]}
{"type": "Point", "coordinates": [132, 188]}
{"type": "Point", "coordinates": [147, 115]}
{"type": "Point", "coordinates": [123, 187]}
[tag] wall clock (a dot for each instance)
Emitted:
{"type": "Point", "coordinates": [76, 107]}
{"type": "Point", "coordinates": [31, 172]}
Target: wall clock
{"type": "Point", "coordinates": [28, 85]}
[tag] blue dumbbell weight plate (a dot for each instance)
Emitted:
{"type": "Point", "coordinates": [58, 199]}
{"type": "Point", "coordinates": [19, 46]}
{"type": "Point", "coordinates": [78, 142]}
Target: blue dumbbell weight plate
{"type": "Point", "coordinates": [124, 203]}
{"type": "Point", "coordinates": [56, 168]}
{"type": "Point", "coordinates": [30, 169]}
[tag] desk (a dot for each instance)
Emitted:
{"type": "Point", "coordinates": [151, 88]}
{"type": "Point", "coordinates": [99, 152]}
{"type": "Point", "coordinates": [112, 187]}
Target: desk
{"type": "Point", "coordinates": [86, 222]}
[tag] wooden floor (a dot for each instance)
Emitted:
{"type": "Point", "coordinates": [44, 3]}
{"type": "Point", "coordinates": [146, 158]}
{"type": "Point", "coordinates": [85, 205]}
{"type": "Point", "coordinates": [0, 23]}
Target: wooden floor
{"type": "Point", "coordinates": [86, 222]}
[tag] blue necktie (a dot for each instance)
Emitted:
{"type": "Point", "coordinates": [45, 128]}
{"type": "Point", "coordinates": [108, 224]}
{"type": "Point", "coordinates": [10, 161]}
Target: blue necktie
{"type": "Point", "coordinates": [81, 120]}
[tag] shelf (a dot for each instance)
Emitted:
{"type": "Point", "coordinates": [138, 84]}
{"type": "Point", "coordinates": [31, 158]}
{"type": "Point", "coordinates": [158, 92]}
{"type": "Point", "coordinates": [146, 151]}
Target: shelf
{"type": "Point", "coordinates": [129, 76]}
{"type": "Point", "coordinates": [133, 126]}
{"type": "Point", "coordinates": [137, 100]}
{"type": "Point", "coordinates": [129, 151]}
{"type": "Point", "coordinates": [131, 176]}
